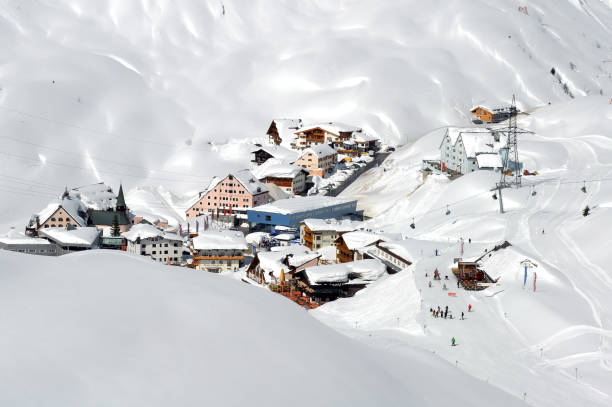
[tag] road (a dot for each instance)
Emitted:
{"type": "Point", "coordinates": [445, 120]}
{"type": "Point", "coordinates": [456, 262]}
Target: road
{"type": "Point", "coordinates": [378, 159]}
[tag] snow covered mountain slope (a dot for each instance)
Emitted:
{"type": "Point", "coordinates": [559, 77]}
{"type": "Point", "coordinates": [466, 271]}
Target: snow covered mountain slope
{"type": "Point", "coordinates": [151, 92]}
{"type": "Point", "coordinates": [127, 331]}
{"type": "Point", "coordinates": [520, 340]}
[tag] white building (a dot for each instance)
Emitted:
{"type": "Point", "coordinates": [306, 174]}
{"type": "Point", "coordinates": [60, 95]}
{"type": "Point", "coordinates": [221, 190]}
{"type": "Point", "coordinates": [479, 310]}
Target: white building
{"type": "Point", "coordinates": [147, 240]}
{"type": "Point", "coordinates": [461, 147]}
{"type": "Point", "coordinates": [218, 251]}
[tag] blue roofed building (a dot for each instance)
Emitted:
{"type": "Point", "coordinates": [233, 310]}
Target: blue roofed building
{"type": "Point", "coordinates": [290, 212]}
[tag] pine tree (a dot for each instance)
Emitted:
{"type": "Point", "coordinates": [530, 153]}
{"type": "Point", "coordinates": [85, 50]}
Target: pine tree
{"type": "Point", "coordinates": [115, 231]}
{"type": "Point", "coordinates": [586, 211]}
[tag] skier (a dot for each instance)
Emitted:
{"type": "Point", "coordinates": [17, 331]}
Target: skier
{"type": "Point", "coordinates": [469, 307]}
{"type": "Point", "coordinates": [542, 230]}
{"type": "Point", "coordinates": [444, 287]}
{"type": "Point", "coordinates": [457, 283]}
{"type": "Point", "coordinates": [453, 341]}
{"type": "Point", "coordinates": [461, 314]}
{"type": "Point", "coordinates": [470, 240]}
{"type": "Point", "coordinates": [430, 284]}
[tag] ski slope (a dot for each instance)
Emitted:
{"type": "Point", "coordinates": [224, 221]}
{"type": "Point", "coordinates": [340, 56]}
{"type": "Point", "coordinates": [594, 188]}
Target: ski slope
{"type": "Point", "coordinates": [519, 340]}
{"type": "Point", "coordinates": [128, 331]}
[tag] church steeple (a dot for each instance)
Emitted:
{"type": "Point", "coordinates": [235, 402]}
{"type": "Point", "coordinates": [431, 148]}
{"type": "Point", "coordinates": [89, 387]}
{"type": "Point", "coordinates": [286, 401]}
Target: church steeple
{"type": "Point", "coordinates": [120, 207]}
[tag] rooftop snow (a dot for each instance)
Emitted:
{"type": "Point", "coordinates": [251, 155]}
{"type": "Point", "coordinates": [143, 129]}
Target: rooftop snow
{"type": "Point", "coordinates": [318, 225]}
{"type": "Point", "coordinates": [320, 150]}
{"type": "Point", "coordinates": [250, 182]}
{"type": "Point", "coordinates": [475, 143]}
{"type": "Point", "coordinates": [23, 240]}
{"type": "Point", "coordinates": [83, 236]}
{"type": "Point", "coordinates": [360, 271]}
{"type": "Point", "coordinates": [278, 169]}
{"type": "Point", "coordinates": [489, 160]}
{"type": "Point", "coordinates": [455, 132]}
{"type": "Point", "coordinates": [272, 261]}
{"type": "Point", "coordinates": [358, 239]}
{"type": "Point", "coordinates": [73, 205]}
{"type": "Point", "coordinates": [146, 231]}
{"type": "Point", "coordinates": [219, 240]}
{"type": "Point", "coordinates": [301, 204]}
{"type": "Point", "coordinates": [331, 127]}
{"type": "Point", "coordinates": [279, 152]}
{"type": "Point", "coordinates": [96, 196]}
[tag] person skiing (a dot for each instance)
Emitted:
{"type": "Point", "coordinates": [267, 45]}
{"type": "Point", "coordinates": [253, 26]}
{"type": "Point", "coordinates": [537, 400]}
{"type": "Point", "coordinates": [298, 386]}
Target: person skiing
{"type": "Point", "coordinates": [453, 341]}
{"type": "Point", "coordinates": [429, 283]}
{"type": "Point", "coordinates": [461, 314]}
{"type": "Point", "coordinates": [470, 240]}
{"type": "Point", "coordinates": [444, 287]}
{"type": "Point", "coordinates": [457, 283]}
{"type": "Point", "coordinates": [469, 307]}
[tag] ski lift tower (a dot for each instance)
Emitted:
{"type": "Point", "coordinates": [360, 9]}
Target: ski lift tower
{"type": "Point", "coordinates": [510, 177]}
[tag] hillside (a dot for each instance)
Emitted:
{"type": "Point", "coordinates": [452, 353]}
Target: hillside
{"type": "Point", "coordinates": [127, 331]}
{"type": "Point", "coordinates": [168, 93]}
{"type": "Point", "coordinates": [520, 340]}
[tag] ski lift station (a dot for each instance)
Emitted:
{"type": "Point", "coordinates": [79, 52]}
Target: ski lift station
{"type": "Point", "coordinates": [290, 212]}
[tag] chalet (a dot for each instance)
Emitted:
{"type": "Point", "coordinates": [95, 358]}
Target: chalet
{"type": "Point", "coordinates": [395, 254]}
{"type": "Point", "coordinates": [461, 147]}
{"type": "Point", "coordinates": [105, 219]}
{"type": "Point", "coordinates": [365, 142]}
{"type": "Point", "coordinates": [266, 267]}
{"type": "Point", "coordinates": [318, 160]}
{"type": "Point", "coordinates": [283, 130]}
{"type": "Point", "coordinates": [218, 251]}
{"type": "Point", "coordinates": [147, 240]}
{"type": "Point", "coordinates": [318, 233]}
{"type": "Point", "coordinates": [290, 178]}
{"type": "Point", "coordinates": [73, 239]}
{"type": "Point", "coordinates": [329, 282]}
{"type": "Point", "coordinates": [264, 153]}
{"type": "Point", "coordinates": [352, 246]}
{"type": "Point", "coordinates": [236, 192]}
{"type": "Point", "coordinates": [160, 222]}
{"type": "Point", "coordinates": [483, 114]}
{"type": "Point", "coordinates": [332, 133]}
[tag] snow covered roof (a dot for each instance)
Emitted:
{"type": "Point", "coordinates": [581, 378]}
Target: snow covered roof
{"type": "Point", "coordinates": [362, 137]}
{"type": "Point", "coordinates": [286, 129]}
{"type": "Point", "coordinates": [250, 182]}
{"type": "Point", "coordinates": [480, 106]}
{"type": "Point", "coordinates": [475, 143]}
{"type": "Point", "coordinates": [83, 237]}
{"type": "Point", "coordinates": [9, 240]}
{"type": "Point", "coordinates": [489, 160]}
{"type": "Point", "coordinates": [320, 150]}
{"type": "Point", "coordinates": [356, 272]}
{"type": "Point", "coordinates": [72, 205]}
{"type": "Point", "coordinates": [219, 240]}
{"type": "Point", "coordinates": [358, 239]}
{"type": "Point", "coordinates": [406, 249]}
{"type": "Point", "coordinates": [319, 225]}
{"type": "Point", "coordinates": [284, 236]}
{"type": "Point", "coordinates": [278, 169]}
{"type": "Point", "coordinates": [279, 152]}
{"type": "Point", "coordinates": [455, 132]}
{"type": "Point", "coordinates": [296, 256]}
{"type": "Point", "coordinates": [331, 127]}
{"type": "Point", "coordinates": [301, 204]}
{"type": "Point", "coordinates": [147, 231]}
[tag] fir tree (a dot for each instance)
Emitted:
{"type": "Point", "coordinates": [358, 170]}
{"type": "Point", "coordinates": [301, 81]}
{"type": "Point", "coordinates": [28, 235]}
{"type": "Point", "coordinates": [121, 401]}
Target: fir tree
{"type": "Point", "coordinates": [586, 211]}
{"type": "Point", "coordinates": [115, 231]}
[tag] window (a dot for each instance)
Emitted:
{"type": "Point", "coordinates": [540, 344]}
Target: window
{"type": "Point", "coordinates": [46, 226]}
{"type": "Point", "coordinates": [53, 219]}
{"type": "Point", "coordinates": [268, 217]}
{"type": "Point", "coordinates": [165, 251]}
{"type": "Point", "coordinates": [153, 252]}
{"type": "Point", "coordinates": [166, 245]}
{"type": "Point", "coordinates": [60, 219]}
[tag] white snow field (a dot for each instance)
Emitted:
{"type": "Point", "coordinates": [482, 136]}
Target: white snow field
{"type": "Point", "coordinates": [125, 331]}
{"type": "Point", "coordinates": [517, 339]}
{"type": "Point", "coordinates": [170, 93]}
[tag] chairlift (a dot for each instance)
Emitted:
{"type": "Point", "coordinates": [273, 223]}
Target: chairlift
{"type": "Point", "coordinates": [583, 189]}
{"type": "Point", "coordinates": [533, 191]}
{"type": "Point", "coordinates": [494, 196]}
{"type": "Point", "coordinates": [447, 210]}
{"type": "Point", "coordinates": [412, 225]}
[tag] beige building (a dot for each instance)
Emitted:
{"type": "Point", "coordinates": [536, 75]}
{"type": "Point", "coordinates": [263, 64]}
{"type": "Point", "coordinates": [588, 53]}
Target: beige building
{"type": "Point", "coordinates": [318, 160]}
{"type": "Point", "coordinates": [319, 233]}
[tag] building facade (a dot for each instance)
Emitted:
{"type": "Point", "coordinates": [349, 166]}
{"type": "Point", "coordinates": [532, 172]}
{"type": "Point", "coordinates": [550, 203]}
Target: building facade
{"type": "Point", "coordinates": [218, 251]}
{"type": "Point", "coordinates": [147, 240]}
{"type": "Point", "coordinates": [318, 160]}
{"type": "Point", "coordinates": [236, 192]}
